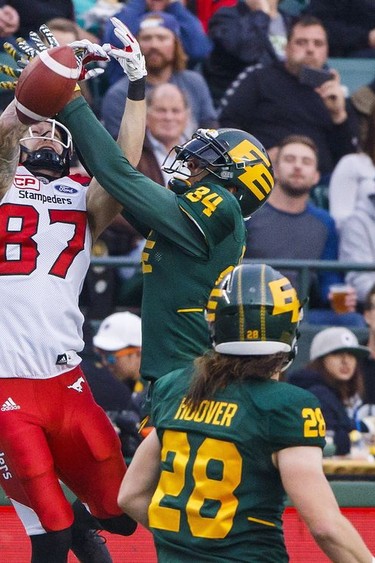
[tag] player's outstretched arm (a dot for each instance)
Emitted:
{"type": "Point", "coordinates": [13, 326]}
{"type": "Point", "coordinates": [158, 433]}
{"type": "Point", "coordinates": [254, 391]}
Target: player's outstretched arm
{"type": "Point", "coordinates": [304, 481]}
{"type": "Point", "coordinates": [102, 207]}
{"type": "Point", "coordinates": [11, 128]}
{"type": "Point", "coordinates": [132, 61]}
{"type": "Point", "coordinates": [139, 483]}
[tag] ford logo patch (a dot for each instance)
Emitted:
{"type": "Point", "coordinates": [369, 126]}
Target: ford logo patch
{"type": "Point", "coordinates": [66, 189]}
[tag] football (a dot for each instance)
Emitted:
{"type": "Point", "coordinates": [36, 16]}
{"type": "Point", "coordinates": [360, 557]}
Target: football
{"type": "Point", "coordinates": [46, 84]}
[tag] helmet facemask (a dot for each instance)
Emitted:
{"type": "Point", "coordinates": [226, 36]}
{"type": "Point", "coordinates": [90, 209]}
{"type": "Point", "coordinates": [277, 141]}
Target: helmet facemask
{"type": "Point", "coordinates": [234, 157]}
{"type": "Point", "coordinates": [47, 158]}
{"type": "Point", "coordinates": [207, 152]}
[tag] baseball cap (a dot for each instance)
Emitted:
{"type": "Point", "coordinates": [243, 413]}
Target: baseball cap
{"type": "Point", "coordinates": [117, 331]}
{"type": "Point", "coordinates": [160, 19]}
{"type": "Point", "coordinates": [336, 339]}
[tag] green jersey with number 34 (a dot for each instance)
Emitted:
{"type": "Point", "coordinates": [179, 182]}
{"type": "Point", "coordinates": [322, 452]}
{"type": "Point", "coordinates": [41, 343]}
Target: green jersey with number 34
{"type": "Point", "coordinates": [193, 240]}
{"type": "Point", "coordinates": [179, 271]}
{"type": "Point", "coordinates": [219, 496]}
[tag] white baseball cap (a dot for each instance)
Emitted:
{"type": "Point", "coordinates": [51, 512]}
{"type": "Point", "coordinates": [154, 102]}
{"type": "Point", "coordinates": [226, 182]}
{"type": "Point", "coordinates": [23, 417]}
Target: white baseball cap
{"type": "Point", "coordinates": [336, 339]}
{"type": "Point", "coordinates": [118, 331]}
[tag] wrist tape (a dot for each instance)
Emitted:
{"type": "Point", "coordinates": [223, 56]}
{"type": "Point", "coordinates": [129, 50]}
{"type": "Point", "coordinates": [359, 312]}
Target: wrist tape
{"type": "Point", "coordinates": [137, 89]}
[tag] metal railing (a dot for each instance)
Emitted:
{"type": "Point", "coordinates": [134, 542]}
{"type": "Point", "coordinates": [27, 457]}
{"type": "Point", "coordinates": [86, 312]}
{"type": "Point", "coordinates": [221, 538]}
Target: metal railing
{"type": "Point", "coordinates": [303, 267]}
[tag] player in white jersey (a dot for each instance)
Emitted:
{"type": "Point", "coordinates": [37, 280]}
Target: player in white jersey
{"type": "Point", "coordinates": [51, 427]}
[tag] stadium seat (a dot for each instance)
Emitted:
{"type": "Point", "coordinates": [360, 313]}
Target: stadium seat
{"type": "Point", "coordinates": [354, 72]}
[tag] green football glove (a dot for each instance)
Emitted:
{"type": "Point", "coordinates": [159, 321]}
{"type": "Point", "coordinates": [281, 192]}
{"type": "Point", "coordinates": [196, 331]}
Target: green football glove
{"type": "Point", "coordinates": [25, 53]}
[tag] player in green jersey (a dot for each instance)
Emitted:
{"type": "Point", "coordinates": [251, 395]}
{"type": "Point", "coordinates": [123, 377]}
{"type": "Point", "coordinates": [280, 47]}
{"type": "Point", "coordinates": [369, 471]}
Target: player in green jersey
{"type": "Point", "coordinates": [194, 236]}
{"type": "Point", "coordinates": [210, 480]}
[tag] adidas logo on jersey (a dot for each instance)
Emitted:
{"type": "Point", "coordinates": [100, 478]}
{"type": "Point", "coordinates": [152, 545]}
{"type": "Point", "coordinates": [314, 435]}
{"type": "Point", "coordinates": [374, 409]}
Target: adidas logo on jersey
{"type": "Point", "coordinates": [9, 405]}
{"type": "Point", "coordinates": [77, 385]}
{"type": "Point", "coordinates": [62, 359]}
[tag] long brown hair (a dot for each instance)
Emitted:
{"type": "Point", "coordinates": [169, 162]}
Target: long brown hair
{"type": "Point", "coordinates": [344, 389]}
{"type": "Point", "coordinates": [215, 371]}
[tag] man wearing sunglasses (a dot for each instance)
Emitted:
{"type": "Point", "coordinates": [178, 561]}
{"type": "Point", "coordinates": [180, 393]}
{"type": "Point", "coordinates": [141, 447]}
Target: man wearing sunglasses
{"type": "Point", "coordinates": [118, 342]}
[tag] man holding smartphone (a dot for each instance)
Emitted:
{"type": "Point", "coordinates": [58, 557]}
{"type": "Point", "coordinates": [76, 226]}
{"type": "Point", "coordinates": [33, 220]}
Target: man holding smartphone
{"type": "Point", "coordinates": [283, 98]}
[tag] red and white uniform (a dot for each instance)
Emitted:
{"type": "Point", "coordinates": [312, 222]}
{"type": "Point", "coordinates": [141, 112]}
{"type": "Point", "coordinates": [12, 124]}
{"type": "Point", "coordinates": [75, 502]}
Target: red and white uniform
{"type": "Point", "coordinates": [45, 253]}
{"type": "Point", "coordinates": [51, 427]}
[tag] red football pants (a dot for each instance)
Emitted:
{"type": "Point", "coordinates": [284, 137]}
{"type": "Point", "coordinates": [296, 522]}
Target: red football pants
{"type": "Point", "coordinates": [58, 432]}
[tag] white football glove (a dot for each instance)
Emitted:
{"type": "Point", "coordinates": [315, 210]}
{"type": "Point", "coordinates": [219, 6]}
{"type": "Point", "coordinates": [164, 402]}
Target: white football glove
{"type": "Point", "coordinates": [86, 53]}
{"type": "Point", "coordinates": [130, 57]}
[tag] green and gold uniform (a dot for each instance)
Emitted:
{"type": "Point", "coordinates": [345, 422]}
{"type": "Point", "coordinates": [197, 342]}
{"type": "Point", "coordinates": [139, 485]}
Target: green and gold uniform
{"type": "Point", "coordinates": [219, 496]}
{"type": "Point", "coordinates": [192, 240]}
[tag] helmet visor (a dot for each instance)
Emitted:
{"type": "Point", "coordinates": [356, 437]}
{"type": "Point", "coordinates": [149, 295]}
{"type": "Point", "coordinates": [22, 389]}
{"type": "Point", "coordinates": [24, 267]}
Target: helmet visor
{"type": "Point", "coordinates": [202, 150]}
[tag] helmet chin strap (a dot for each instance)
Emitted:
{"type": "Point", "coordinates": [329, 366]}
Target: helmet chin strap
{"type": "Point", "coordinates": [46, 159]}
{"type": "Point", "coordinates": [179, 185]}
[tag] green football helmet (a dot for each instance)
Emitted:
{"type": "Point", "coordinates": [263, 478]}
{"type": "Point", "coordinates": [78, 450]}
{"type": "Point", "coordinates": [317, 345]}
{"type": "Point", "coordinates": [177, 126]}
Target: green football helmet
{"type": "Point", "coordinates": [234, 157]}
{"type": "Point", "coordinates": [254, 311]}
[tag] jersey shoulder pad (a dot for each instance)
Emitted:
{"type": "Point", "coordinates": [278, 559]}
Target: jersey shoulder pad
{"type": "Point", "coordinates": [213, 208]}
{"type": "Point", "coordinates": [167, 387]}
{"type": "Point", "coordinates": [295, 417]}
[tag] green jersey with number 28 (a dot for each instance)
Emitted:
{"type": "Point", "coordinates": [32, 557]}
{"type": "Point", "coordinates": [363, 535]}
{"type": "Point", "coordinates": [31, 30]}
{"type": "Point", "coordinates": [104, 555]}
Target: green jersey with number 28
{"type": "Point", "coordinates": [219, 496]}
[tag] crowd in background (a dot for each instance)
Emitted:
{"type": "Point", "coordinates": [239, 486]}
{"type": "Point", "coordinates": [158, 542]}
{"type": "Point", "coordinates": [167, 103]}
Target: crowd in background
{"type": "Point", "coordinates": [242, 63]}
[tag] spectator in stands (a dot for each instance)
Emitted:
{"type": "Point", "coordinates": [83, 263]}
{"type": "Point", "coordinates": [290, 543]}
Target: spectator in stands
{"type": "Point", "coordinates": [363, 101]}
{"type": "Point", "coordinates": [204, 9]}
{"type": "Point", "coordinates": [353, 174]}
{"type": "Point", "coordinates": [167, 121]}
{"type": "Point", "coordinates": [251, 32]}
{"type": "Point", "coordinates": [165, 61]}
{"type": "Point", "coordinates": [193, 38]}
{"type": "Point", "coordinates": [119, 344]}
{"type": "Point", "coordinates": [93, 15]}
{"type": "Point", "coordinates": [357, 240]}
{"type": "Point", "coordinates": [109, 392]}
{"type": "Point", "coordinates": [30, 15]}
{"type": "Point", "coordinates": [290, 226]}
{"type": "Point", "coordinates": [333, 375]}
{"type": "Point", "coordinates": [350, 26]}
{"type": "Point", "coordinates": [272, 102]}
{"type": "Point", "coordinates": [9, 20]}
{"type": "Point", "coordinates": [18, 17]}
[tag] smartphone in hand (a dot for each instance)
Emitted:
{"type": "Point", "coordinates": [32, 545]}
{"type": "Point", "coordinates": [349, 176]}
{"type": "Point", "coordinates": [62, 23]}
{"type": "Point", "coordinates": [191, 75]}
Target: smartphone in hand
{"type": "Point", "coordinates": [314, 77]}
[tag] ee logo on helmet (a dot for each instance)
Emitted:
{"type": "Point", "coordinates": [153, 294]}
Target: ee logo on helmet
{"type": "Point", "coordinates": [257, 176]}
{"type": "Point", "coordinates": [285, 298]}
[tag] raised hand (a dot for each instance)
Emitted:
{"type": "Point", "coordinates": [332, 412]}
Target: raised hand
{"type": "Point", "coordinates": [13, 72]}
{"type": "Point", "coordinates": [86, 53]}
{"type": "Point", "coordinates": [40, 42]}
{"type": "Point", "coordinates": [25, 53]}
{"type": "Point", "coordinates": [130, 57]}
